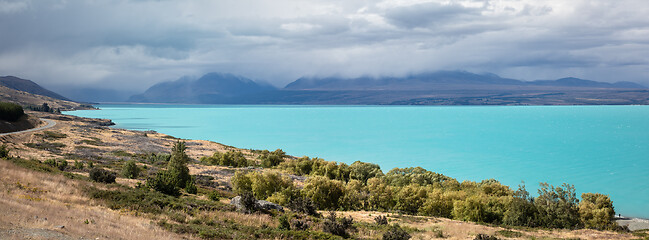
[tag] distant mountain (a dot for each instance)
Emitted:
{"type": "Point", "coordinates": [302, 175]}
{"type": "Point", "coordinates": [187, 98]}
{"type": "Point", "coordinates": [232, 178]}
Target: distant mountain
{"type": "Point", "coordinates": [576, 82]}
{"type": "Point", "coordinates": [29, 99]}
{"type": "Point", "coordinates": [441, 80]}
{"type": "Point", "coordinates": [210, 88]}
{"type": "Point", "coordinates": [29, 86]}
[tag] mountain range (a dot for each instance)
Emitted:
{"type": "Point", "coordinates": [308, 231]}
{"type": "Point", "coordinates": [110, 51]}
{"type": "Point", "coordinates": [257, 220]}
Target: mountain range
{"type": "Point", "coordinates": [435, 88]}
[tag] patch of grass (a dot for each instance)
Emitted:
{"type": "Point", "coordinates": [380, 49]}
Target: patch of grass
{"type": "Point", "coordinates": [92, 141]}
{"type": "Point", "coordinates": [509, 233]}
{"type": "Point", "coordinates": [53, 147]}
{"type": "Point", "coordinates": [53, 135]}
{"type": "Point", "coordinates": [33, 164]}
{"type": "Point", "coordinates": [121, 153]}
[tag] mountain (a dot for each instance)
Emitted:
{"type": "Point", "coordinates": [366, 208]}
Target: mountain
{"type": "Point", "coordinates": [29, 99]}
{"type": "Point", "coordinates": [210, 88]}
{"type": "Point", "coordinates": [576, 82]}
{"type": "Point", "coordinates": [443, 80]}
{"type": "Point", "coordinates": [29, 86]}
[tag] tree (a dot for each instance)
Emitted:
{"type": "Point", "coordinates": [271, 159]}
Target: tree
{"type": "Point", "coordinates": [410, 198]}
{"type": "Point", "coordinates": [325, 193]}
{"type": "Point", "coordinates": [177, 166]}
{"type": "Point", "coordinates": [521, 211]}
{"type": "Point", "coordinates": [596, 211]}
{"type": "Point", "coordinates": [557, 206]}
{"type": "Point", "coordinates": [362, 171]}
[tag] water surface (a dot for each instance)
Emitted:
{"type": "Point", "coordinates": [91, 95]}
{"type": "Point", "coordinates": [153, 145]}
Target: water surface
{"type": "Point", "coordinates": [597, 148]}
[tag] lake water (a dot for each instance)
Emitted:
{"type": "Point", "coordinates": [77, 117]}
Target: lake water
{"type": "Point", "coordinates": [597, 148]}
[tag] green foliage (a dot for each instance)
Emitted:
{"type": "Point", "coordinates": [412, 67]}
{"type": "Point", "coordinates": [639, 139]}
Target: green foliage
{"type": "Point", "coordinates": [62, 164]}
{"type": "Point", "coordinates": [43, 108]}
{"type": "Point", "coordinates": [410, 198]}
{"type": "Point", "coordinates": [164, 182]}
{"type": "Point", "coordinates": [53, 135]}
{"type": "Point", "coordinates": [596, 211]}
{"type": "Point", "coordinates": [229, 158]}
{"type": "Point", "coordinates": [10, 111]}
{"type": "Point", "coordinates": [48, 146]}
{"type": "Point", "coordinates": [177, 167]}
{"type": "Point", "coordinates": [4, 151]}
{"type": "Point", "coordinates": [395, 232]}
{"type": "Point", "coordinates": [190, 187]}
{"type": "Point", "coordinates": [324, 192]}
{"type": "Point", "coordinates": [406, 176]}
{"type": "Point", "coordinates": [213, 195]}
{"type": "Point", "coordinates": [479, 208]}
{"type": "Point", "coordinates": [521, 210]}
{"type": "Point", "coordinates": [248, 202]}
{"type": "Point", "coordinates": [262, 185]}
{"type": "Point", "coordinates": [362, 171]}
{"type": "Point", "coordinates": [380, 195]}
{"type": "Point", "coordinates": [78, 165]}
{"type": "Point", "coordinates": [130, 170]}
{"type": "Point", "coordinates": [557, 206]}
{"type": "Point", "coordinates": [271, 159]}
{"type": "Point", "coordinates": [284, 224]}
{"type": "Point", "coordinates": [102, 175]}
{"type": "Point", "coordinates": [303, 205]}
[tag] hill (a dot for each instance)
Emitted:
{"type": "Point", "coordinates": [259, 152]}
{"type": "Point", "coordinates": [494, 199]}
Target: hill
{"type": "Point", "coordinates": [28, 99]}
{"type": "Point", "coordinates": [29, 86]}
{"type": "Point", "coordinates": [210, 88]}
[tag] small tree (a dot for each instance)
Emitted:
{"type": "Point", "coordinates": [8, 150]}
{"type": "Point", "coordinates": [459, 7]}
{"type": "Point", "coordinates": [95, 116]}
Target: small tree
{"type": "Point", "coordinates": [190, 187]}
{"type": "Point", "coordinates": [131, 170]}
{"type": "Point", "coordinates": [177, 166]}
{"type": "Point", "coordinates": [396, 233]}
{"type": "Point", "coordinates": [596, 211]}
{"type": "Point", "coordinates": [101, 175]}
{"type": "Point", "coordinates": [337, 226]}
{"type": "Point", "coordinates": [163, 182]}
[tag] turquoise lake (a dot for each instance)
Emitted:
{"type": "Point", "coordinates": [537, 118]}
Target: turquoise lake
{"type": "Point", "coordinates": [601, 149]}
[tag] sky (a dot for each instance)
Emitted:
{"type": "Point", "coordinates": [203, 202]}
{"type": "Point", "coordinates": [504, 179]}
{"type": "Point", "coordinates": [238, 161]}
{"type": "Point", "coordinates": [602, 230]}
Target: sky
{"type": "Point", "coordinates": [133, 44]}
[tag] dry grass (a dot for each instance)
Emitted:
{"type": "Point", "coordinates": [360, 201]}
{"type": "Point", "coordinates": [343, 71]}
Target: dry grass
{"type": "Point", "coordinates": [451, 229]}
{"type": "Point", "coordinates": [34, 200]}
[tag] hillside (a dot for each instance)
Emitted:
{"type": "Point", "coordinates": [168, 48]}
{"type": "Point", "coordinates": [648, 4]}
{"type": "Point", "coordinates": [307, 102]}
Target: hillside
{"type": "Point", "coordinates": [210, 88]}
{"type": "Point", "coordinates": [29, 87]}
{"type": "Point", "coordinates": [29, 99]}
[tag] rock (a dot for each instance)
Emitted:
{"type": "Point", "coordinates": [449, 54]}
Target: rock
{"type": "Point", "coordinates": [269, 206]}
{"type": "Point", "coordinates": [59, 227]}
{"type": "Point", "coordinates": [260, 204]}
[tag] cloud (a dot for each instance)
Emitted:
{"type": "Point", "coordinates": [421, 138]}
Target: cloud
{"type": "Point", "coordinates": [134, 44]}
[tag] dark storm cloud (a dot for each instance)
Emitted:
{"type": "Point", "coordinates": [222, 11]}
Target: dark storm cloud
{"type": "Point", "coordinates": [133, 44]}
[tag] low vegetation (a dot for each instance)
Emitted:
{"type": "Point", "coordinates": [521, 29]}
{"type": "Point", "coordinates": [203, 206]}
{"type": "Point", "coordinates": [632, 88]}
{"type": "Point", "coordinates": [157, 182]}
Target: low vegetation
{"type": "Point", "coordinates": [10, 111]}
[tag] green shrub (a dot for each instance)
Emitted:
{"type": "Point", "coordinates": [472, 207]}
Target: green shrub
{"type": "Point", "coordinates": [78, 165]}
{"type": "Point", "coordinates": [271, 159]}
{"type": "Point", "coordinates": [213, 195]}
{"type": "Point", "coordinates": [362, 171]}
{"type": "Point", "coordinates": [596, 211]}
{"type": "Point", "coordinates": [130, 170]}
{"type": "Point", "coordinates": [50, 162]}
{"type": "Point", "coordinates": [164, 182]}
{"type": "Point", "coordinates": [4, 151]}
{"type": "Point", "coordinates": [324, 192]}
{"type": "Point", "coordinates": [557, 206]}
{"type": "Point", "coordinates": [229, 158]}
{"type": "Point", "coordinates": [284, 224]}
{"type": "Point", "coordinates": [395, 232]}
{"type": "Point", "coordinates": [303, 205]}
{"type": "Point", "coordinates": [521, 210]}
{"type": "Point", "coordinates": [190, 187]}
{"type": "Point", "coordinates": [101, 175]}
{"type": "Point", "coordinates": [62, 165]}
{"type": "Point", "coordinates": [10, 111]}
{"type": "Point", "coordinates": [248, 202]}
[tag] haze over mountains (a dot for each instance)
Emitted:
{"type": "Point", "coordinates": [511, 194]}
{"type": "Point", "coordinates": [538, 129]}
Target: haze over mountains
{"type": "Point", "coordinates": [436, 88]}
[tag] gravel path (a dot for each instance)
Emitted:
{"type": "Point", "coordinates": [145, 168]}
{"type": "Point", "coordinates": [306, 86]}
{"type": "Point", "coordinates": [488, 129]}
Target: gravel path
{"type": "Point", "coordinates": [50, 123]}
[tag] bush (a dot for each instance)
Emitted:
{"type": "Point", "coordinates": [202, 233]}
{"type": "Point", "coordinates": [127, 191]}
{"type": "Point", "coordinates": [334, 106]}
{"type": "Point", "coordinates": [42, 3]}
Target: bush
{"type": "Point", "coordinates": [4, 151]}
{"type": "Point", "coordinates": [284, 224]}
{"type": "Point", "coordinates": [248, 202]}
{"type": "Point", "coordinates": [596, 211]}
{"type": "Point", "coordinates": [131, 170]}
{"type": "Point", "coordinates": [164, 182]}
{"type": "Point", "coordinates": [213, 195]}
{"type": "Point", "coordinates": [484, 237]}
{"type": "Point", "coordinates": [362, 171]}
{"type": "Point", "coordinates": [271, 159]}
{"type": "Point", "coordinates": [381, 220]}
{"type": "Point", "coordinates": [325, 193]}
{"type": "Point", "coordinates": [78, 165]}
{"type": "Point", "coordinates": [396, 233]}
{"type": "Point", "coordinates": [230, 158]}
{"type": "Point", "coordinates": [10, 111]}
{"type": "Point", "coordinates": [339, 226]}
{"type": "Point", "coordinates": [557, 206]}
{"type": "Point", "coordinates": [101, 175]}
{"type": "Point", "coordinates": [62, 165]}
{"type": "Point", "coordinates": [190, 187]}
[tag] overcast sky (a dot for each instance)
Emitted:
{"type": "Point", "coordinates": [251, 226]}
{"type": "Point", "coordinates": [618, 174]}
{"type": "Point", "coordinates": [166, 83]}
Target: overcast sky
{"type": "Point", "coordinates": [134, 44]}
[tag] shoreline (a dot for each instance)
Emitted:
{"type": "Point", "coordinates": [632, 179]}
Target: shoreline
{"type": "Point", "coordinates": [634, 223]}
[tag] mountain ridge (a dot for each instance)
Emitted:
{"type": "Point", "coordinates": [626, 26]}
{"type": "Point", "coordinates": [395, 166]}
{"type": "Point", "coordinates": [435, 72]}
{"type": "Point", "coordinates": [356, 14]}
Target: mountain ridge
{"type": "Point", "coordinates": [29, 86]}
